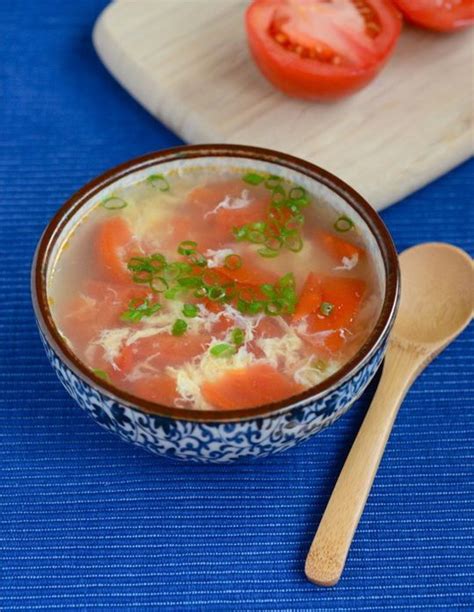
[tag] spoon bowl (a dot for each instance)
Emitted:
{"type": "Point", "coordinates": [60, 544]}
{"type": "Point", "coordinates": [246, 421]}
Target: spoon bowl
{"type": "Point", "coordinates": [437, 294]}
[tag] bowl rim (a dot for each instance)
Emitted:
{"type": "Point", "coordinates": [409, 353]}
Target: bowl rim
{"type": "Point", "coordinates": [78, 200]}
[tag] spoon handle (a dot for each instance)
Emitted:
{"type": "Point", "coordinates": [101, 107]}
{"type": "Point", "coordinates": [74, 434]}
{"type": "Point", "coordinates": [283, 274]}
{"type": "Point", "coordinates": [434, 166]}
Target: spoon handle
{"type": "Point", "coordinates": [328, 552]}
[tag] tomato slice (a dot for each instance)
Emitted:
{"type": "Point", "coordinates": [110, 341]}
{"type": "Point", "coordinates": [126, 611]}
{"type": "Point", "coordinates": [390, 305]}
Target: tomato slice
{"type": "Point", "coordinates": [161, 350]}
{"type": "Point", "coordinates": [338, 248]}
{"type": "Point", "coordinates": [159, 388]}
{"type": "Point", "coordinates": [244, 388]}
{"type": "Point", "coordinates": [114, 245]}
{"type": "Point", "coordinates": [440, 15]}
{"type": "Point", "coordinates": [310, 298]}
{"type": "Point", "coordinates": [345, 295]}
{"type": "Point", "coordinates": [321, 49]}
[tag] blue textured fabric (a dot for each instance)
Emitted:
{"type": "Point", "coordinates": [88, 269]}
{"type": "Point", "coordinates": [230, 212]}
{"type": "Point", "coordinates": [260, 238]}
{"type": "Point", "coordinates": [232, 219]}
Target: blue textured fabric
{"type": "Point", "coordinates": [88, 522]}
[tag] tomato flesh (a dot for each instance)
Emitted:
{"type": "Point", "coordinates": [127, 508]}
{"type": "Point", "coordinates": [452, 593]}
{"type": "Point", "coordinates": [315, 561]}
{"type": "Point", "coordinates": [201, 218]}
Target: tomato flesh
{"type": "Point", "coordinates": [440, 15]}
{"type": "Point", "coordinates": [321, 49]}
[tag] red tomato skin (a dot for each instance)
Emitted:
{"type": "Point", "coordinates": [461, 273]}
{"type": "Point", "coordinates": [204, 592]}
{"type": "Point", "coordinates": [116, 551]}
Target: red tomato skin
{"type": "Point", "coordinates": [307, 78]}
{"type": "Point", "coordinates": [437, 18]}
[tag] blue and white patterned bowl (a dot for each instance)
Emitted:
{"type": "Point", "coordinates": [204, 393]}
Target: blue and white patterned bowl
{"type": "Point", "coordinates": [218, 436]}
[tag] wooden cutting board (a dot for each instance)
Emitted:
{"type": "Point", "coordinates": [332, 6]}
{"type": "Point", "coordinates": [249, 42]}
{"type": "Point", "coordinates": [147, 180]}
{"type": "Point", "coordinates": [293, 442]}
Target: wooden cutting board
{"type": "Point", "coordinates": [187, 62]}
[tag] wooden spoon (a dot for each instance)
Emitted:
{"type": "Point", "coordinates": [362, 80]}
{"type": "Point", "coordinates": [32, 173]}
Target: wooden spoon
{"type": "Point", "coordinates": [436, 305]}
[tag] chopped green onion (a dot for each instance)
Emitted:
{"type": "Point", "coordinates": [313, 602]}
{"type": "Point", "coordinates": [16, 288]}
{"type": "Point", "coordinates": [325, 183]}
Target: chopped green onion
{"type": "Point", "coordinates": [343, 224]}
{"type": "Point", "coordinates": [255, 235]}
{"type": "Point", "coordinates": [268, 290]}
{"type": "Point", "coordinates": [138, 309]}
{"type": "Point", "coordinates": [172, 294]}
{"type": "Point", "coordinates": [200, 292]}
{"type": "Point", "coordinates": [158, 180]}
{"type": "Point", "coordinates": [274, 308]}
{"type": "Point", "coordinates": [237, 336]}
{"type": "Point", "coordinates": [215, 293]}
{"type": "Point", "coordinates": [255, 307]}
{"type": "Point", "coordinates": [101, 374]}
{"type": "Point", "coordinates": [190, 310]}
{"type": "Point", "coordinates": [138, 264]}
{"type": "Point", "coordinates": [273, 181]}
{"type": "Point", "coordinates": [113, 203]}
{"type": "Point", "coordinates": [187, 247]}
{"type": "Point", "coordinates": [198, 260]}
{"type": "Point", "coordinates": [293, 241]}
{"type": "Point", "coordinates": [142, 277]}
{"type": "Point", "coordinates": [173, 270]}
{"type": "Point", "coordinates": [157, 262]}
{"type": "Point", "coordinates": [179, 327]}
{"type": "Point", "coordinates": [297, 193]}
{"type": "Point", "coordinates": [267, 252]}
{"type": "Point", "coordinates": [278, 196]}
{"type": "Point", "coordinates": [326, 308]}
{"type": "Point", "coordinates": [190, 281]}
{"type": "Point", "coordinates": [222, 350]}
{"type": "Point", "coordinates": [158, 284]}
{"type": "Point", "coordinates": [240, 233]}
{"type": "Point", "coordinates": [233, 262]}
{"type": "Point", "coordinates": [242, 305]}
{"type": "Point", "coordinates": [287, 280]}
{"type": "Point", "coordinates": [252, 178]}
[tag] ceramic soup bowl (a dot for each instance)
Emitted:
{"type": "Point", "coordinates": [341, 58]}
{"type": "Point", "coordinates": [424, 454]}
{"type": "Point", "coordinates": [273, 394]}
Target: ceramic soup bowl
{"type": "Point", "coordinates": [218, 436]}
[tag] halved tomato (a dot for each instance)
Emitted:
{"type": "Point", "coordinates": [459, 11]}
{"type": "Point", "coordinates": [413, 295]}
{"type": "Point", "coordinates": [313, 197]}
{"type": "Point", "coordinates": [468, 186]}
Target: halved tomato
{"type": "Point", "coordinates": [440, 15]}
{"type": "Point", "coordinates": [321, 49]}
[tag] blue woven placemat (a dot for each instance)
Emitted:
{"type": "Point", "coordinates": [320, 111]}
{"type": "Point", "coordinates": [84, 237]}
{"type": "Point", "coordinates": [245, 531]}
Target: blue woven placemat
{"type": "Point", "coordinates": [88, 522]}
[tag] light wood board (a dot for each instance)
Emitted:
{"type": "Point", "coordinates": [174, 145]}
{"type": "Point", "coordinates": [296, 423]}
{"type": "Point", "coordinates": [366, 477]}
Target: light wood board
{"type": "Point", "coordinates": [187, 62]}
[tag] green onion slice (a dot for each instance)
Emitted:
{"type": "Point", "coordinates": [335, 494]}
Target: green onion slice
{"type": "Point", "coordinates": [240, 233]}
{"type": "Point", "coordinates": [237, 336]}
{"type": "Point", "coordinates": [267, 252]}
{"type": "Point", "coordinates": [274, 308]}
{"type": "Point", "coordinates": [252, 178]}
{"type": "Point", "coordinates": [216, 293]}
{"type": "Point", "coordinates": [297, 193]}
{"type": "Point", "coordinates": [255, 307]}
{"type": "Point", "coordinates": [233, 261]}
{"type": "Point", "coordinates": [142, 277]}
{"type": "Point", "coordinates": [278, 196]}
{"type": "Point", "coordinates": [187, 247]}
{"type": "Point", "coordinates": [200, 292]}
{"type": "Point", "coordinates": [190, 310]}
{"type": "Point", "coordinates": [114, 203]}
{"type": "Point", "coordinates": [159, 181]}
{"type": "Point", "coordinates": [273, 181]}
{"type": "Point", "coordinates": [190, 281]}
{"type": "Point", "coordinates": [139, 264]}
{"type": "Point", "coordinates": [293, 241]}
{"type": "Point", "coordinates": [101, 374]}
{"type": "Point", "coordinates": [158, 284]}
{"type": "Point", "coordinates": [222, 350]}
{"type": "Point", "coordinates": [138, 309]}
{"type": "Point", "coordinates": [173, 293]}
{"type": "Point", "coordinates": [157, 261]}
{"type": "Point", "coordinates": [179, 327]}
{"type": "Point", "coordinates": [343, 224]}
{"type": "Point", "coordinates": [198, 259]}
{"type": "Point", "coordinates": [326, 308]}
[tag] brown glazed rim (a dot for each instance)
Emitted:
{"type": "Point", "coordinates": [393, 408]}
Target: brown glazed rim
{"type": "Point", "coordinates": [80, 198]}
